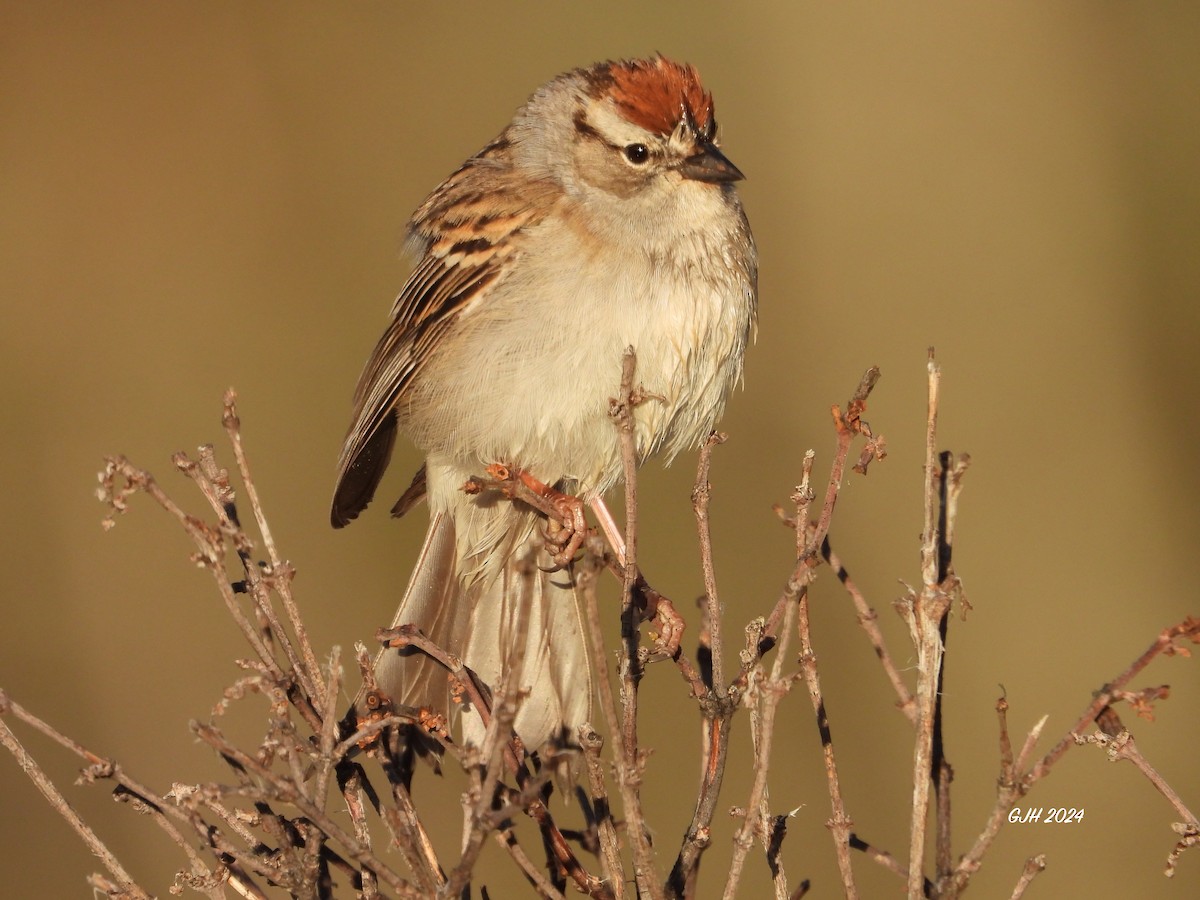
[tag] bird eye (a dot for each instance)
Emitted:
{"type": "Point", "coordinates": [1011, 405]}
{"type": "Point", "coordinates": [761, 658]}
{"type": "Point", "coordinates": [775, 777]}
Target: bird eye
{"type": "Point", "coordinates": [637, 154]}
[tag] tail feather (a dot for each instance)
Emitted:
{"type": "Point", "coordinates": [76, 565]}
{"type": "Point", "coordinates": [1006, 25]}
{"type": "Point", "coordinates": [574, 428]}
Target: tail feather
{"type": "Point", "coordinates": [528, 622]}
{"type": "Point", "coordinates": [409, 676]}
{"type": "Point", "coordinates": [513, 621]}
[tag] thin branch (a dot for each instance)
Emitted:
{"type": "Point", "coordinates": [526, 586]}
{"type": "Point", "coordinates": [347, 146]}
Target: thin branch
{"type": "Point", "coordinates": [767, 693]}
{"type": "Point", "coordinates": [610, 849]}
{"type": "Point", "coordinates": [507, 839]}
{"type": "Point", "coordinates": [716, 709]}
{"type": "Point", "coordinates": [885, 859]}
{"type": "Point", "coordinates": [763, 697]}
{"type": "Point", "coordinates": [868, 619]}
{"type": "Point", "coordinates": [278, 787]}
{"type": "Point", "coordinates": [274, 827]}
{"type": "Point", "coordinates": [839, 822]}
{"type": "Point", "coordinates": [1123, 746]}
{"type": "Point", "coordinates": [928, 609]}
{"type": "Point", "coordinates": [99, 767]}
{"type": "Point", "coordinates": [630, 762]}
{"type": "Point", "coordinates": [352, 792]}
{"type": "Point", "coordinates": [1034, 866]}
{"type": "Point", "coordinates": [701, 496]}
{"type": "Point", "coordinates": [213, 483]}
{"type": "Point", "coordinates": [483, 793]}
{"type": "Point", "coordinates": [125, 882]}
{"type": "Point", "coordinates": [1166, 644]}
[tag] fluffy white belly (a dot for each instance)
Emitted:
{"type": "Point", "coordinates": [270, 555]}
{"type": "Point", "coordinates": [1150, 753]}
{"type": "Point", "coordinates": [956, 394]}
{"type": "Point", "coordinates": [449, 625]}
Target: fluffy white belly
{"type": "Point", "coordinates": [521, 384]}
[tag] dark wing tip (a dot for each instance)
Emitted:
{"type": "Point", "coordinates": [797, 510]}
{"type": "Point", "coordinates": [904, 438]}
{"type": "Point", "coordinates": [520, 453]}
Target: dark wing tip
{"type": "Point", "coordinates": [360, 476]}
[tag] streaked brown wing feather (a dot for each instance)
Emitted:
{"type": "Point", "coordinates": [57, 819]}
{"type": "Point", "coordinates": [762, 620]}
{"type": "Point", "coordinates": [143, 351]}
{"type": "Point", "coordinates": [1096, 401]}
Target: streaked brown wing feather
{"type": "Point", "coordinates": [466, 230]}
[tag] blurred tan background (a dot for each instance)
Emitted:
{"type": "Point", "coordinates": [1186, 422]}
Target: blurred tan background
{"type": "Point", "coordinates": [198, 196]}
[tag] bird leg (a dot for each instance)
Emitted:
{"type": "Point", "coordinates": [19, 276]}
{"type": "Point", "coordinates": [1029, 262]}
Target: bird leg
{"type": "Point", "coordinates": [567, 531]}
{"type": "Point", "coordinates": [568, 527]}
{"type": "Point", "coordinates": [608, 525]}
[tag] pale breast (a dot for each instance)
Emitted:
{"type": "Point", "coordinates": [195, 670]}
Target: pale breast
{"type": "Point", "coordinates": [528, 374]}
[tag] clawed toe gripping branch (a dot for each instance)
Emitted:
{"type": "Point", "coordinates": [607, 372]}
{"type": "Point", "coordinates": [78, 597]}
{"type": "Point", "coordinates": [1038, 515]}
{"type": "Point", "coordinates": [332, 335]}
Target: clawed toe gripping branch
{"type": "Point", "coordinates": [566, 528]}
{"type": "Point", "coordinates": [321, 807]}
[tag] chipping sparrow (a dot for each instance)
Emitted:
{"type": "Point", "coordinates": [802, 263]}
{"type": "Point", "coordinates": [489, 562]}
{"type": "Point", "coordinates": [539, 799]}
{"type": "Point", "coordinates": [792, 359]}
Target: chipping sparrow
{"type": "Point", "coordinates": [602, 217]}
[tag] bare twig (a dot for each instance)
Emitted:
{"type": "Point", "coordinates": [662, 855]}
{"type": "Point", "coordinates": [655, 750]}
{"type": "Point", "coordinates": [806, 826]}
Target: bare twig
{"type": "Point", "coordinates": [125, 883]}
{"type": "Point", "coordinates": [701, 495]}
{"type": "Point", "coordinates": [885, 859]}
{"type": "Point", "coordinates": [277, 787]}
{"type": "Point", "coordinates": [764, 696]}
{"type": "Point", "coordinates": [99, 767]}
{"type": "Point", "coordinates": [281, 572]}
{"type": "Point", "coordinates": [1033, 866]}
{"type": "Point", "coordinates": [481, 818]}
{"type": "Point", "coordinates": [610, 849]}
{"type": "Point", "coordinates": [1189, 837]}
{"type": "Point", "coordinates": [716, 709]}
{"type": "Point", "coordinates": [1121, 746]}
{"type": "Point", "coordinates": [927, 611]}
{"type": "Point", "coordinates": [508, 840]}
{"type": "Point", "coordinates": [1167, 643]}
{"type": "Point", "coordinates": [1007, 769]}
{"type": "Point", "coordinates": [630, 762]}
{"type": "Point", "coordinates": [275, 826]}
{"type": "Point", "coordinates": [868, 619]}
{"type": "Point", "coordinates": [810, 540]}
{"type": "Point", "coordinates": [213, 483]}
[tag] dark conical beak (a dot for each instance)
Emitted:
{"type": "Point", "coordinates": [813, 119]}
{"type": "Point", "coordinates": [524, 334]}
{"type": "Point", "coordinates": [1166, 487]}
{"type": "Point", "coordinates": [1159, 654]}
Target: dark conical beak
{"type": "Point", "coordinates": [709, 164]}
